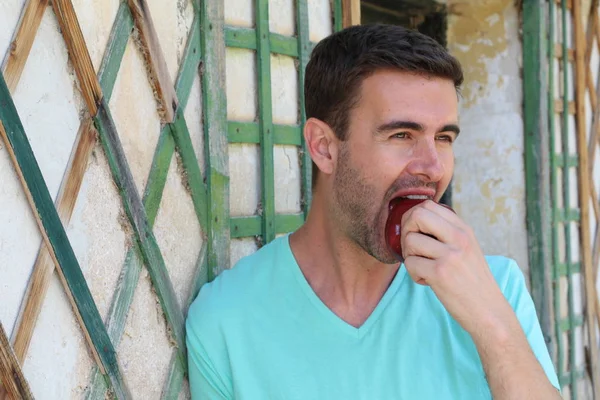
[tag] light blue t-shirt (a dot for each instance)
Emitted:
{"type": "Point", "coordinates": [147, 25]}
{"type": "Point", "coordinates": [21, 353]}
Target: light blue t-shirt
{"type": "Point", "coordinates": [258, 332]}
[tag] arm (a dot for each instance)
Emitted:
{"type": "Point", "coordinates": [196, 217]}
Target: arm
{"type": "Point", "coordinates": [441, 251]}
{"type": "Point", "coordinates": [511, 367]}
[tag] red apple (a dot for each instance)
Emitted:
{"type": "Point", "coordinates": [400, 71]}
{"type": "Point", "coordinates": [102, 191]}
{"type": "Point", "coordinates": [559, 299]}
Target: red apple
{"type": "Point", "coordinates": [398, 207]}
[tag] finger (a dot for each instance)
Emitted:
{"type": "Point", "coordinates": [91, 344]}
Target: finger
{"type": "Point", "coordinates": [422, 220]}
{"type": "Point", "coordinates": [422, 245]}
{"type": "Point", "coordinates": [443, 211]}
{"type": "Point", "coordinates": [419, 269]}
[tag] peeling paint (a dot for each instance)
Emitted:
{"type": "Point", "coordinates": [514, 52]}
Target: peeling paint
{"type": "Point", "coordinates": [477, 33]}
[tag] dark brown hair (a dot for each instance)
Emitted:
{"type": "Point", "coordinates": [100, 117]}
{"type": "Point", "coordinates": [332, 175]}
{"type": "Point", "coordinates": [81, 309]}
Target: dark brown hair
{"type": "Point", "coordinates": [340, 62]}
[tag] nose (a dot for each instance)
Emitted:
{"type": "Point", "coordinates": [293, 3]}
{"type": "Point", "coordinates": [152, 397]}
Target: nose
{"type": "Point", "coordinates": [426, 162]}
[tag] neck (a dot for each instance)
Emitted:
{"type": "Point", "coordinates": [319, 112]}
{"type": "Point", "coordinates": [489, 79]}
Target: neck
{"type": "Point", "coordinates": [346, 278]}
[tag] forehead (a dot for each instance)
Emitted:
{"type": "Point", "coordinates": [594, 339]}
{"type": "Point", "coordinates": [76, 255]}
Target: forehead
{"type": "Point", "coordinates": [390, 94]}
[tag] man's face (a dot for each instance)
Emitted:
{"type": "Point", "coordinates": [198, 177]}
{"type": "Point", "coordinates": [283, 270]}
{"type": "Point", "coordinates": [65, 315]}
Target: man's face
{"type": "Point", "coordinates": [399, 143]}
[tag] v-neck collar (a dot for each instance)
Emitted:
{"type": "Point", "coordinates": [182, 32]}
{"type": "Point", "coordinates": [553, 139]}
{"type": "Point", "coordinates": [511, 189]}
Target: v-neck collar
{"type": "Point", "coordinates": [336, 321]}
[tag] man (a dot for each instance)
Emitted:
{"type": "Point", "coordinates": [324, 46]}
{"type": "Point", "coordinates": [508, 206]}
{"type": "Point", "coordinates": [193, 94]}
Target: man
{"type": "Point", "coordinates": [327, 312]}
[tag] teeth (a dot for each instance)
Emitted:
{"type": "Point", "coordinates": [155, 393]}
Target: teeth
{"type": "Point", "coordinates": [415, 196]}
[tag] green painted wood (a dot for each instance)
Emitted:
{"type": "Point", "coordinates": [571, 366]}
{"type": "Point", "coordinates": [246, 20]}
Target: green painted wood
{"type": "Point", "coordinates": [572, 160]}
{"type": "Point", "coordinates": [58, 240]}
{"type": "Point", "coordinates": [252, 226]}
{"type": "Point", "coordinates": [569, 323]}
{"type": "Point", "coordinates": [174, 381]}
{"type": "Point", "coordinates": [288, 222]}
{"type": "Point", "coordinates": [337, 16]}
{"type": "Point", "coordinates": [243, 132]}
{"type": "Point", "coordinates": [249, 132]}
{"type": "Point", "coordinates": [265, 120]}
{"type": "Point", "coordinates": [176, 371]}
{"type": "Point", "coordinates": [290, 135]}
{"type": "Point", "coordinates": [559, 355]}
{"type": "Point", "coordinates": [188, 70]}
{"type": "Point", "coordinates": [564, 269]}
{"type": "Point", "coordinates": [566, 198]}
{"type": "Point", "coordinates": [579, 374]}
{"type": "Point", "coordinates": [537, 163]}
{"type": "Point", "coordinates": [304, 49]}
{"type": "Point", "coordinates": [214, 109]}
{"type": "Point", "coordinates": [117, 315]}
{"type": "Point", "coordinates": [132, 267]}
{"type": "Point", "coordinates": [245, 38]}
{"type": "Point", "coordinates": [561, 215]}
{"type": "Point", "coordinates": [117, 42]}
{"type": "Point", "coordinates": [194, 181]}
{"type": "Point", "coordinates": [142, 229]}
{"type": "Point", "coordinates": [245, 226]}
{"type": "Point", "coordinates": [285, 45]}
{"type": "Point", "coordinates": [158, 174]}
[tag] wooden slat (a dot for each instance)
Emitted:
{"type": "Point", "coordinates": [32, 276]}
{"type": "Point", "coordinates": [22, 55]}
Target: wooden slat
{"type": "Point", "coordinates": [23, 41]}
{"type": "Point", "coordinates": [117, 43]}
{"type": "Point", "coordinates": [142, 230]}
{"type": "Point", "coordinates": [351, 12]}
{"type": "Point", "coordinates": [188, 71]}
{"type": "Point", "coordinates": [214, 112]}
{"type": "Point", "coordinates": [265, 108]}
{"type": "Point", "coordinates": [44, 266]}
{"type": "Point", "coordinates": [559, 106]}
{"type": "Point", "coordinates": [558, 52]}
{"type": "Point", "coordinates": [251, 226]}
{"type": "Point", "coordinates": [78, 54]}
{"type": "Point", "coordinates": [193, 175]}
{"type": "Point", "coordinates": [584, 196]}
{"type": "Point", "coordinates": [132, 267]}
{"type": "Point", "coordinates": [569, 3]}
{"type": "Point", "coordinates": [338, 19]}
{"type": "Point", "coordinates": [172, 387]}
{"type": "Point", "coordinates": [592, 28]}
{"type": "Point", "coordinates": [123, 295]}
{"type": "Point", "coordinates": [11, 375]}
{"type": "Point", "coordinates": [303, 57]}
{"type": "Point", "coordinates": [537, 160]}
{"type": "Point", "coordinates": [159, 74]}
{"type": "Point", "coordinates": [57, 242]}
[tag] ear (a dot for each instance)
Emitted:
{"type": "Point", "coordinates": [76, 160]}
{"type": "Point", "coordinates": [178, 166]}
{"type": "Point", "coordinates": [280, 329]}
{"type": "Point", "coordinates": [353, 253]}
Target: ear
{"type": "Point", "coordinates": [321, 143]}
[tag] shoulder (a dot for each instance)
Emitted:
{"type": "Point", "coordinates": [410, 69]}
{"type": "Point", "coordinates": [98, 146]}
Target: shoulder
{"type": "Point", "coordinates": [236, 289]}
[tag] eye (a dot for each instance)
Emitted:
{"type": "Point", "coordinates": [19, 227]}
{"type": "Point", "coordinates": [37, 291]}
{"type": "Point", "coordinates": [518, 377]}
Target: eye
{"type": "Point", "coordinates": [400, 135]}
{"type": "Point", "coordinates": [445, 138]}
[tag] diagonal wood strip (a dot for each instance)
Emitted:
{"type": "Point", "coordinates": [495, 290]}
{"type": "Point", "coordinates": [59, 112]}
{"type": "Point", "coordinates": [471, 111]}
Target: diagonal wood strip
{"type": "Point", "coordinates": [23, 41]}
{"type": "Point", "coordinates": [11, 374]}
{"type": "Point", "coordinates": [584, 195]}
{"type": "Point", "coordinates": [56, 241]}
{"type": "Point", "coordinates": [159, 74]}
{"type": "Point", "coordinates": [78, 54]}
{"type": "Point", "coordinates": [44, 265]}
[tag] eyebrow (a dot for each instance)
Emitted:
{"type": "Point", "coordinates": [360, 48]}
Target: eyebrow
{"type": "Point", "coordinates": [415, 126]}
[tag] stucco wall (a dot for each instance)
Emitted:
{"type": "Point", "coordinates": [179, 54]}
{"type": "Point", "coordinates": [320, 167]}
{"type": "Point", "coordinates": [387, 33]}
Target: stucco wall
{"type": "Point", "coordinates": [489, 182]}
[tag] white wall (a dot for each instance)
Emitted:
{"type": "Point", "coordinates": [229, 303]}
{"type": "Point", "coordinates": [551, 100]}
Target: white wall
{"type": "Point", "coordinates": [489, 183]}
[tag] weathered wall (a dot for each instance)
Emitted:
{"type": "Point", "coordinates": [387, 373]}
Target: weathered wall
{"type": "Point", "coordinates": [489, 183]}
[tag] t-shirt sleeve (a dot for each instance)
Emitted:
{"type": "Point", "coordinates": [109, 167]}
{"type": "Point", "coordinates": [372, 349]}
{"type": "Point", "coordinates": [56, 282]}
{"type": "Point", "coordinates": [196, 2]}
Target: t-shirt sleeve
{"type": "Point", "coordinates": [207, 382]}
{"type": "Point", "coordinates": [518, 295]}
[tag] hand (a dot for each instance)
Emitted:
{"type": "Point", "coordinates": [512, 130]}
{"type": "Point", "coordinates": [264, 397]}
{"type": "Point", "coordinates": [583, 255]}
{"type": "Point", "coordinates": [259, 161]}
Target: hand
{"type": "Point", "coordinates": [441, 251]}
